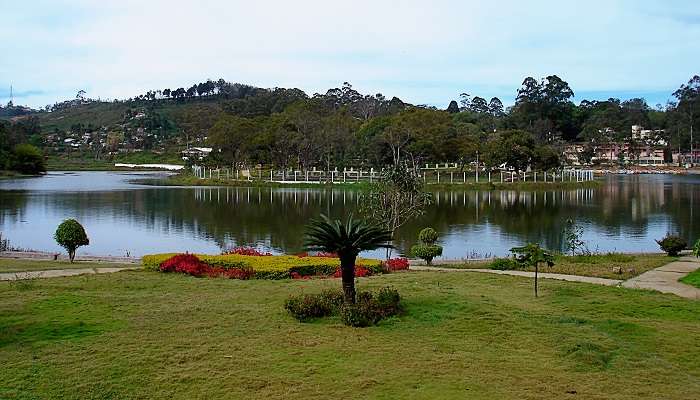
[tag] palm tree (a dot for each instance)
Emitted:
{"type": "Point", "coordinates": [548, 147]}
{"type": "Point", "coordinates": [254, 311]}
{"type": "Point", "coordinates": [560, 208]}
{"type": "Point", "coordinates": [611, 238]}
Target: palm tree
{"type": "Point", "coordinates": [347, 240]}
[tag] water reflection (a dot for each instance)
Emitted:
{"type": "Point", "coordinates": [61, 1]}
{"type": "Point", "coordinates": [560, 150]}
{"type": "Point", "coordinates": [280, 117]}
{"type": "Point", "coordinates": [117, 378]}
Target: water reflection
{"type": "Point", "coordinates": [625, 214]}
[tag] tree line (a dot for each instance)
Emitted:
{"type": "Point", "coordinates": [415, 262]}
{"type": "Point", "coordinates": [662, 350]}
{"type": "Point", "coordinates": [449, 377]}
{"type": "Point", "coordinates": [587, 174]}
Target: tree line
{"type": "Point", "coordinates": [287, 128]}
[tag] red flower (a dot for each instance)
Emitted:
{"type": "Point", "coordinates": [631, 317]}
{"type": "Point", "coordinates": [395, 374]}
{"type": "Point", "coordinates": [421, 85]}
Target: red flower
{"type": "Point", "coordinates": [245, 251]}
{"type": "Point", "coordinates": [396, 264]}
{"type": "Point", "coordinates": [191, 265]}
{"type": "Point", "coordinates": [360, 272]}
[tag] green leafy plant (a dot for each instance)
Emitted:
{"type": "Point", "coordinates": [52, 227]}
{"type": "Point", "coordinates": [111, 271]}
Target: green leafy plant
{"type": "Point", "coordinates": [696, 248]}
{"type": "Point", "coordinates": [672, 244]}
{"type": "Point", "coordinates": [573, 234]}
{"type": "Point", "coordinates": [371, 308]}
{"type": "Point", "coordinates": [427, 249]}
{"type": "Point", "coordinates": [504, 264]}
{"type": "Point", "coordinates": [27, 159]}
{"type": "Point", "coordinates": [307, 307]}
{"type": "Point", "coordinates": [532, 255]}
{"type": "Point", "coordinates": [70, 235]}
{"type": "Point", "coordinates": [428, 236]}
{"type": "Point", "coordinates": [346, 239]}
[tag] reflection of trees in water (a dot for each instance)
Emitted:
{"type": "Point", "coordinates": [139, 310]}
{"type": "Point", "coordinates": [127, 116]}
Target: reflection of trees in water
{"type": "Point", "coordinates": [276, 217]}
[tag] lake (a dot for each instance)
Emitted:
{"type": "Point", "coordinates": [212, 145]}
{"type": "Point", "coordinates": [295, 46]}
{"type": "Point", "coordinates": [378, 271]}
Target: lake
{"type": "Point", "coordinates": [624, 214]}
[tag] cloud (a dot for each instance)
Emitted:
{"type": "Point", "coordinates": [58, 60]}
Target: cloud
{"type": "Point", "coordinates": [421, 52]}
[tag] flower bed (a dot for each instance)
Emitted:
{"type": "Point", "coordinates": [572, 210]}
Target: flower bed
{"type": "Point", "coordinates": [191, 265]}
{"type": "Point", "coordinates": [246, 251]}
{"type": "Point", "coordinates": [269, 267]}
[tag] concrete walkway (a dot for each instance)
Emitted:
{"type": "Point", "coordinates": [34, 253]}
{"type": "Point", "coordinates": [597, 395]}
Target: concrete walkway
{"type": "Point", "coordinates": [528, 274]}
{"type": "Point", "coordinates": [55, 273]}
{"type": "Point", "coordinates": [665, 279]}
{"type": "Point", "coordinates": [43, 255]}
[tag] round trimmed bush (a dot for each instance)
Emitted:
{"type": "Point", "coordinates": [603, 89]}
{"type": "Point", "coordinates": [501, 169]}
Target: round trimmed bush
{"type": "Point", "coordinates": [426, 252]}
{"type": "Point", "coordinates": [70, 235]}
{"type": "Point", "coordinates": [428, 236]}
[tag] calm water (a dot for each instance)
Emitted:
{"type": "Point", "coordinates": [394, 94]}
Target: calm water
{"type": "Point", "coordinates": [625, 214]}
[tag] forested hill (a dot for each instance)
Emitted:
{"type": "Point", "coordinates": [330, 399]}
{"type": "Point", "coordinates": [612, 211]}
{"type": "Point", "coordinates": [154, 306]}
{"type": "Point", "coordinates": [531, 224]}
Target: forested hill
{"type": "Point", "coordinates": [287, 127]}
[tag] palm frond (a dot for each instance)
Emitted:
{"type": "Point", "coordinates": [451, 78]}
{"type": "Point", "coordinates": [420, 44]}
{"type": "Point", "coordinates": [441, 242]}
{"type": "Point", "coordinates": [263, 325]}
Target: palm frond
{"type": "Point", "coordinates": [351, 236]}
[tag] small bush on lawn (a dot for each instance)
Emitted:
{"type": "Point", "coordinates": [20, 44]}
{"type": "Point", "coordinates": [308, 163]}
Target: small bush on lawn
{"type": "Point", "coordinates": [310, 306]}
{"type": "Point", "coordinates": [672, 244]}
{"type": "Point", "coordinates": [371, 308]}
{"type": "Point", "coordinates": [504, 264]}
{"type": "Point", "coordinates": [396, 264]}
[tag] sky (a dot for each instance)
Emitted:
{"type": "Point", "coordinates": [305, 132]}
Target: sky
{"type": "Point", "coordinates": [425, 52]}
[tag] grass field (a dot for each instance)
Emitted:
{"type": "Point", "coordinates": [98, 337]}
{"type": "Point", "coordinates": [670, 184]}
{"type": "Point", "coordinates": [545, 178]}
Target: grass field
{"type": "Point", "coordinates": [598, 265]}
{"type": "Point", "coordinates": [15, 265]}
{"type": "Point", "coordinates": [692, 278]}
{"type": "Point", "coordinates": [479, 336]}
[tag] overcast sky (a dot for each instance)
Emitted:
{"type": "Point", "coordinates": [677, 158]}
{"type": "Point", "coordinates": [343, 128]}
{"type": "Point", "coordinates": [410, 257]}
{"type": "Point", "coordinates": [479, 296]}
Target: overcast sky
{"type": "Point", "coordinates": [425, 52]}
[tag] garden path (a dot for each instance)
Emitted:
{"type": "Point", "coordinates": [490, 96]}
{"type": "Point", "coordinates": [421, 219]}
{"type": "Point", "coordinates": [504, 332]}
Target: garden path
{"type": "Point", "coordinates": [665, 279]}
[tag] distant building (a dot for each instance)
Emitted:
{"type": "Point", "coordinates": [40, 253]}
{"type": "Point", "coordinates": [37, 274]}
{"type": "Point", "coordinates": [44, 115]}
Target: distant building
{"type": "Point", "coordinates": [196, 153]}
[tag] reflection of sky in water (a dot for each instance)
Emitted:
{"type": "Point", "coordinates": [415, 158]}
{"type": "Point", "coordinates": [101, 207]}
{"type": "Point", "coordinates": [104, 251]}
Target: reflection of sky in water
{"type": "Point", "coordinates": [626, 214]}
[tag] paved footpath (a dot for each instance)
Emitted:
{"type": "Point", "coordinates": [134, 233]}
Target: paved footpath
{"type": "Point", "coordinates": [528, 274]}
{"type": "Point", "coordinates": [55, 273]}
{"type": "Point", "coordinates": [665, 279]}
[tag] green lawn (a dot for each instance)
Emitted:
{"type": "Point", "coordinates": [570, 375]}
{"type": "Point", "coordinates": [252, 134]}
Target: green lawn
{"type": "Point", "coordinates": [692, 278]}
{"type": "Point", "coordinates": [18, 265]}
{"type": "Point", "coordinates": [599, 265]}
{"type": "Point", "coordinates": [149, 335]}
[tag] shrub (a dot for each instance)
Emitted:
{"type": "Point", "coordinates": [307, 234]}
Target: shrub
{"type": "Point", "coordinates": [696, 248]}
{"type": "Point", "coordinates": [672, 244]}
{"type": "Point", "coordinates": [426, 252]}
{"type": "Point", "coordinates": [309, 306]}
{"type": "Point", "coordinates": [427, 249]}
{"type": "Point", "coordinates": [504, 264]}
{"type": "Point", "coordinates": [370, 308]}
{"type": "Point", "coordinates": [428, 236]}
{"type": "Point", "coordinates": [70, 235]}
{"type": "Point", "coordinates": [396, 264]}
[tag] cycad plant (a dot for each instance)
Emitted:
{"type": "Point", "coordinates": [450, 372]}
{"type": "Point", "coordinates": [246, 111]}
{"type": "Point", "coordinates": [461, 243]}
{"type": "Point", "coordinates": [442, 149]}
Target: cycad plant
{"type": "Point", "coordinates": [347, 239]}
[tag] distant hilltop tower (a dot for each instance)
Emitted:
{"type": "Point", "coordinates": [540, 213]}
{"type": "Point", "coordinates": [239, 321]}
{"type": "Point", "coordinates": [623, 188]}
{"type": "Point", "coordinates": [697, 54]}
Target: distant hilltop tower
{"type": "Point", "coordinates": [12, 98]}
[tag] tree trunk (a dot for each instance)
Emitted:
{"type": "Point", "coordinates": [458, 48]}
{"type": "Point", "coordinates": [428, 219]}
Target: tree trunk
{"type": "Point", "coordinates": [536, 271]}
{"type": "Point", "coordinates": [347, 270]}
{"type": "Point", "coordinates": [71, 255]}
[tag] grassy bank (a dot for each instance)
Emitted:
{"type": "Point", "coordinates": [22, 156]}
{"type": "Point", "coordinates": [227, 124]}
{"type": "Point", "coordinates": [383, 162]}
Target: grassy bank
{"type": "Point", "coordinates": [5, 174]}
{"type": "Point", "coordinates": [76, 162]}
{"type": "Point", "coordinates": [692, 278]}
{"type": "Point", "coordinates": [612, 266]}
{"type": "Point", "coordinates": [187, 179]}
{"type": "Point", "coordinates": [17, 265]}
{"type": "Point", "coordinates": [152, 335]}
